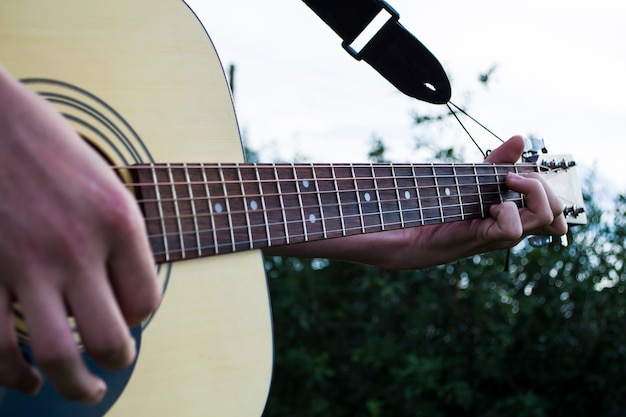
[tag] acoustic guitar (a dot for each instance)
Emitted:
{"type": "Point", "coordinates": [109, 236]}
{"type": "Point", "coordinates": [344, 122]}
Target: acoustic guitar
{"type": "Point", "coordinates": [141, 82]}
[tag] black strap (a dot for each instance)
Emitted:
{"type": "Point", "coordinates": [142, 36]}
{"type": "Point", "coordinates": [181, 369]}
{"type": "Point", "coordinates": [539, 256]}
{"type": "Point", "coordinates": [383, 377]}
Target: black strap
{"type": "Point", "coordinates": [393, 51]}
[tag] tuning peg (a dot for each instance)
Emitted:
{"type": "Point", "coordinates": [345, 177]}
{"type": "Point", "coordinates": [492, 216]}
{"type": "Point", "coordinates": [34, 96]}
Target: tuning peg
{"type": "Point", "coordinates": [537, 241]}
{"type": "Point", "coordinates": [554, 164]}
{"type": "Point", "coordinates": [573, 211]}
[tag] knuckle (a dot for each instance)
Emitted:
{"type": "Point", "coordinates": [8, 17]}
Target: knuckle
{"type": "Point", "coordinates": [54, 357]}
{"type": "Point", "coordinates": [142, 309]}
{"type": "Point", "coordinates": [119, 215]}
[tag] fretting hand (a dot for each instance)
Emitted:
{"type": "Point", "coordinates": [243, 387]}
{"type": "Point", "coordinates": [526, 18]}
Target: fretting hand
{"type": "Point", "coordinates": [426, 246]}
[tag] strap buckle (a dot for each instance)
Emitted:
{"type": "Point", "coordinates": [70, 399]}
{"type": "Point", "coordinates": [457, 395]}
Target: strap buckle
{"type": "Point", "coordinates": [356, 45]}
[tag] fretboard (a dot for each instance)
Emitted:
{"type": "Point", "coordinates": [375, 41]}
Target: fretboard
{"type": "Point", "coordinates": [195, 210]}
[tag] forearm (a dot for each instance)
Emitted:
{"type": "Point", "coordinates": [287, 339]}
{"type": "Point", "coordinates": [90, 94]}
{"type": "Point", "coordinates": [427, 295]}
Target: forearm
{"type": "Point", "coordinates": [398, 249]}
{"type": "Point", "coordinates": [377, 249]}
{"type": "Point", "coordinates": [421, 247]}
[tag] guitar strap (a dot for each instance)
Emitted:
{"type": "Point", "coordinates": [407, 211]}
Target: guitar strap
{"type": "Point", "coordinates": [392, 50]}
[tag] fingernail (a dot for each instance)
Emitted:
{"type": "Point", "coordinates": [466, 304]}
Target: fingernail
{"type": "Point", "coordinates": [514, 176]}
{"type": "Point", "coordinates": [98, 393]}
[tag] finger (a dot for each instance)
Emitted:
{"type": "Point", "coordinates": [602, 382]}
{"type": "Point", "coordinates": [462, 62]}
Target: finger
{"type": "Point", "coordinates": [539, 210]}
{"type": "Point", "coordinates": [509, 151]}
{"type": "Point", "coordinates": [102, 328]}
{"type": "Point", "coordinates": [558, 226]}
{"type": "Point", "coordinates": [507, 224]}
{"type": "Point", "coordinates": [133, 277]}
{"type": "Point", "coordinates": [55, 348]}
{"type": "Point", "coordinates": [15, 372]}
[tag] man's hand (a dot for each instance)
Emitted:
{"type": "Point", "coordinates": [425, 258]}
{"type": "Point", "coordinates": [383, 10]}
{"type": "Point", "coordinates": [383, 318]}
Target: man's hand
{"type": "Point", "coordinates": [72, 240]}
{"type": "Point", "coordinates": [426, 246]}
{"type": "Point", "coordinates": [508, 225]}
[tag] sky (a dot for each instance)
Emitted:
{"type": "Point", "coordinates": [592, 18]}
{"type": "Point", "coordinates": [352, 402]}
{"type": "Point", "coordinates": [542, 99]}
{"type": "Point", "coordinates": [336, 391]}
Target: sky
{"type": "Point", "coordinates": [559, 75]}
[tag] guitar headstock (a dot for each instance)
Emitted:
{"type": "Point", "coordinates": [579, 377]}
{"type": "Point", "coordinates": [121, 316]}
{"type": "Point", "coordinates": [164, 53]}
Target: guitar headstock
{"type": "Point", "coordinates": [560, 174]}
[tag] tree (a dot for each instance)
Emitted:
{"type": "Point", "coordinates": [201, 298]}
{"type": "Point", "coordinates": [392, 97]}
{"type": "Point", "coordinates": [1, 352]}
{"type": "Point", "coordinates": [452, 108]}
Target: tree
{"type": "Point", "coordinates": [544, 339]}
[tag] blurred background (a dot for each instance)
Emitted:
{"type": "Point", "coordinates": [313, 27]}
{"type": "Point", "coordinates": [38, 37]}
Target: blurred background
{"type": "Point", "coordinates": [545, 338]}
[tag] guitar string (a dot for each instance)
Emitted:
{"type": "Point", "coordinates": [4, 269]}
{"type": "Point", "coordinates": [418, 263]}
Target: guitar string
{"type": "Point", "coordinates": [298, 220]}
{"type": "Point", "coordinates": [378, 178]}
{"type": "Point", "coordinates": [267, 241]}
{"type": "Point", "coordinates": [267, 196]}
{"type": "Point", "coordinates": [310, 209]}
{"type": "Point", "coordinates": [260, 186]}
{"type": "Point", "coordinates": [375, 179]}
{"type": "Point", "coordinates": [426, 190]}
{"type": "Point", "coordinates": [301, 166]}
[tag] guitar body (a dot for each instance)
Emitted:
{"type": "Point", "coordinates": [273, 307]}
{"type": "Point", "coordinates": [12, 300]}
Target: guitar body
{"type": "Point", "coordinates": [141, 81]}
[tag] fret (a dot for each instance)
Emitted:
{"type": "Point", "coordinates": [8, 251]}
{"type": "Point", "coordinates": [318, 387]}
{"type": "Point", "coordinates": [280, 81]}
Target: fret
{"type": "Point", "coordinates": [186, 218]}
{"type": "Point", "coordinates": [430, 198]}
{"type": "Point", "coordinates": [330, 206]}
{"type": "Point", "coordinates": [339, 201]}
{"type": "Point", "coordinates": [265, 219]}
{"type": "Point", "coordinates": [309, 202]}
{"type": "Point", "coordinates": [231, 225]}
{"type": "Point", "coordinates": [458, 191]}
{"type": "Point", "coordinates": [299, 192]}
{"type": "Point", "coordinates": [489, 186]}
{"type": "Point", "coordinates": [319, 202]}
{"type": "Point", "coordinates": [466, 186]}
{"type": "Point", "coordinates": [245, 207]}
{"type": "Point", "coordinates": [236, 206]}
{"type": "Point", "coordinates": [176, 210]}
{"type": "Point", "coordinates": [369, 204]}
{"type": "Point", "coordinates": [282, 205]}
{"type": "Point", "coordinates": [438, 192]}
{"type": "Point", "coordinates": [447, 188]}
{"type": "Point", "coordinates": [388, 196]}
{"type": "Point", "coordinates": [418, 196]}
{"type": "Point", "coordinates": [500, 184]}
{"type": "Point", "coordinates": [355, 180]}
{"type": "Point", "coordinates": [408, 202]}
{"type": "Point", "coordinates": [505, 193]}
{"type": "Point", "coordinates": [396, 186]}
{"type": "Point", "coordinates": [522, 202]}
{"type": "Point", "coordinates": [171, 215]}
{"type": "Point", "coordinates": [377, 192]}
{"type": "Point", "coordinates": [194, 212]}
{"type": "Point", "coordinates": [276, 222]}
{"type": "Point", "coordinates": [159, 203]}
{"type": "Point", "coordinates": [289, 192]}
{"type": "Point", "coordinates": [479, 193]}
{"type": "Point", "coordinates": [290, 200]}
{"type": "Point", "coordinates": [210, 208]}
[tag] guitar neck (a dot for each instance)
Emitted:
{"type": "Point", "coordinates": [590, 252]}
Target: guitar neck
{"type": "Point", "coordinates": [195, 210]}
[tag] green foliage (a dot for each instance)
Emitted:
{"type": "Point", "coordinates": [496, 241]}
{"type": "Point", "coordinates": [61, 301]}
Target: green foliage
{"type": "Point", "coordinates": [544, 339]}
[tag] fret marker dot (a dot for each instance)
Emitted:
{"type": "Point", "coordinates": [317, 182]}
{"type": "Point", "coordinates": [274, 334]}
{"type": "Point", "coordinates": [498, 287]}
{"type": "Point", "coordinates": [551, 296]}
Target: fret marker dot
{"type": "Point", "coordinates": [254, 205]}
{"type": "Point", "coordinates": [407, 195]}
{"type": "Point", "coordinates": [305, 184]}
{"type": "Point", "coordinates": [312, 218]}
{"type": "Point", "coordinates": [367, 196]}
{"type": "Point", "coordinates": [448, 192]}
{"type": "Point", "coordinates": [218, 208]}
